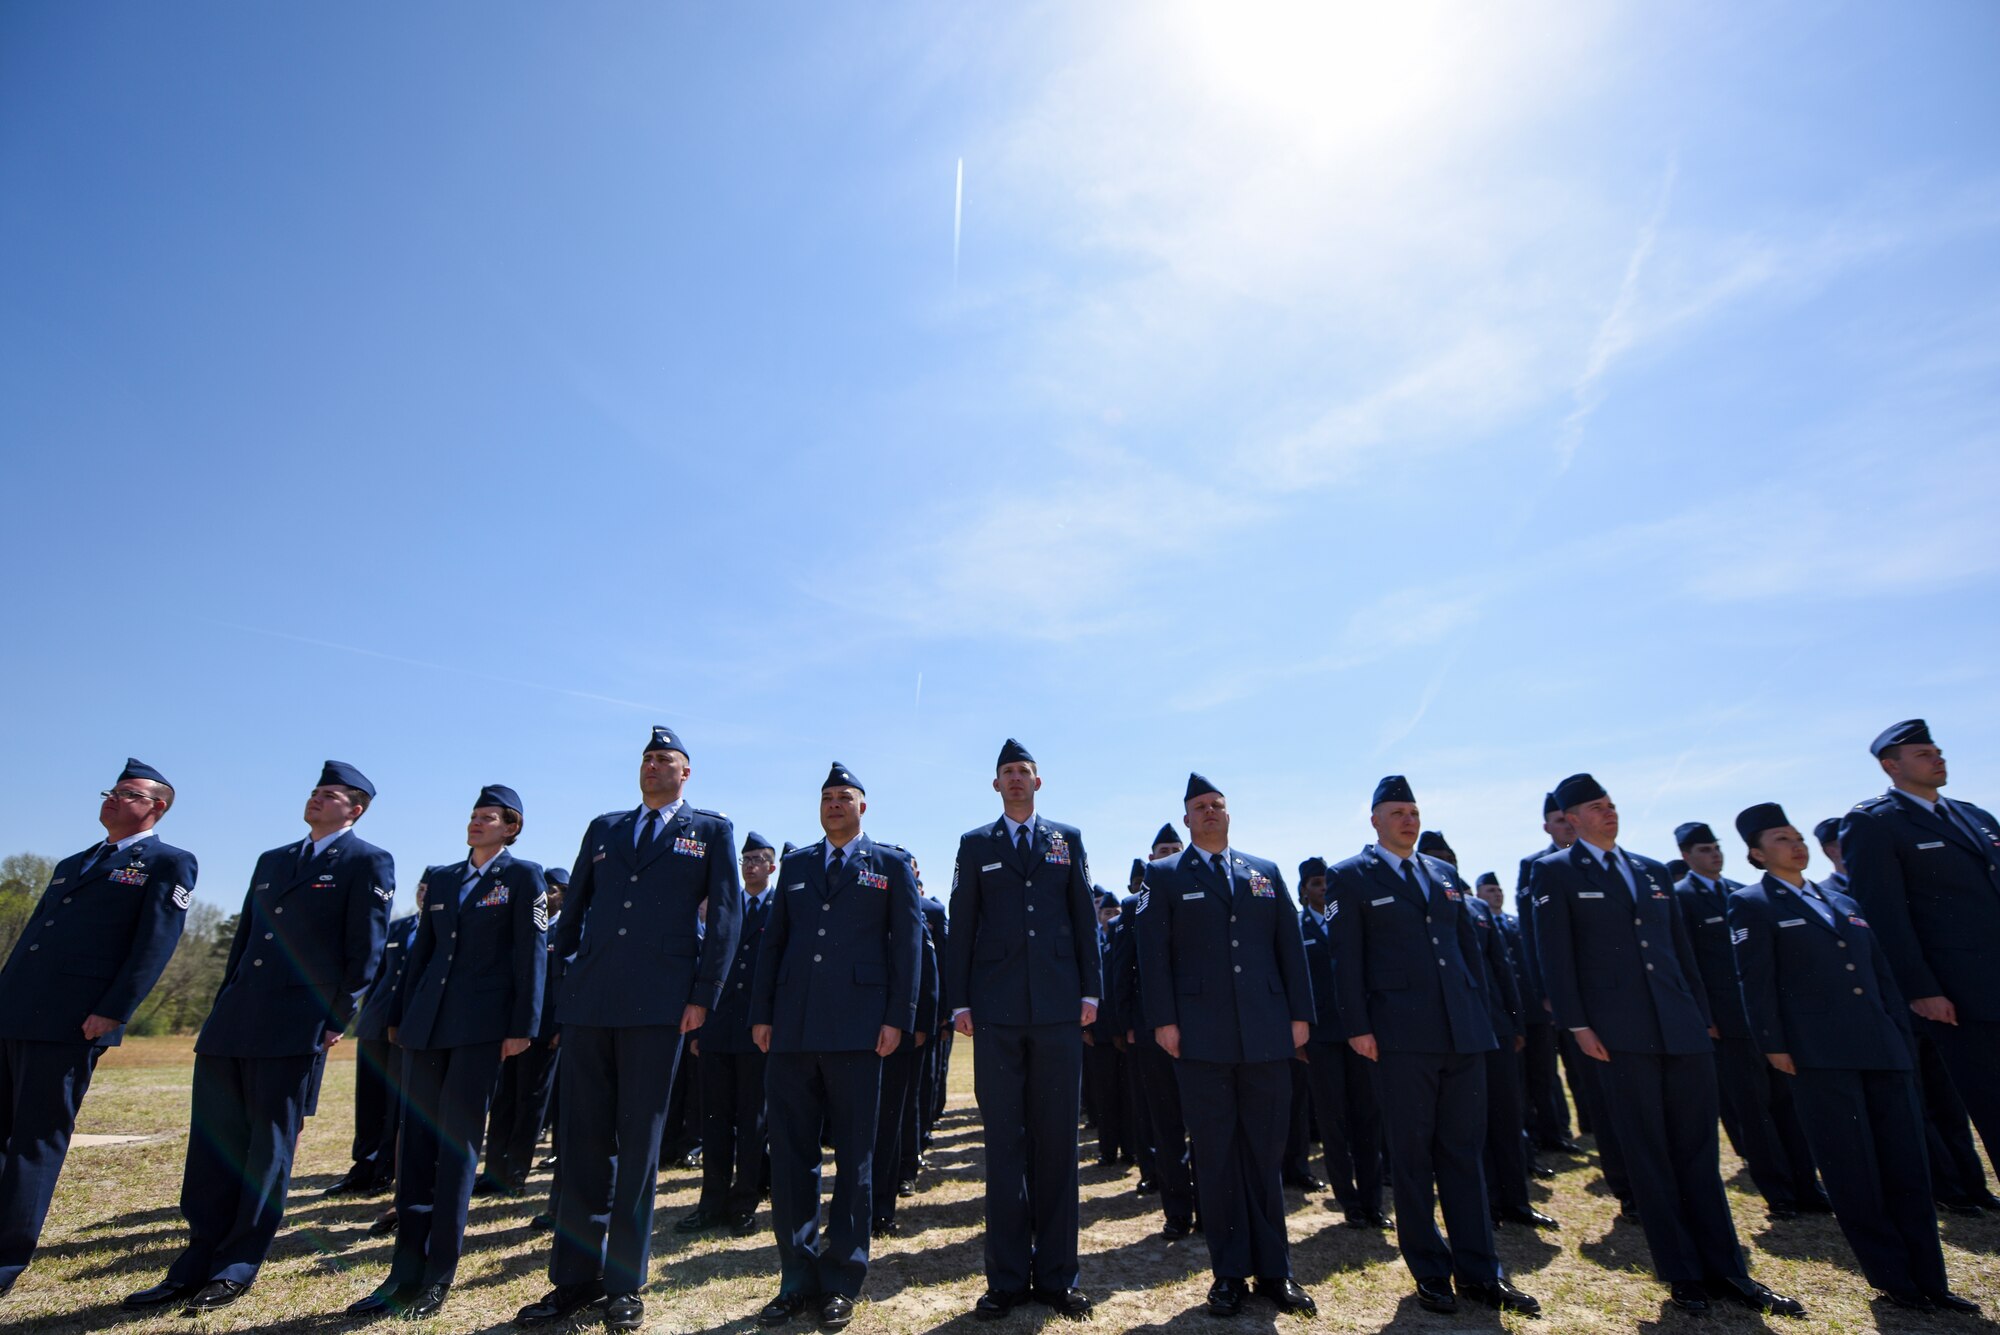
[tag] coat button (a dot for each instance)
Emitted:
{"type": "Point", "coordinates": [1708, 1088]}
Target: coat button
{"type": "Point", "coordinates": [50, 922]}
{"type": "Point", "coordinates": [1239, 968]}
{"type": "Point", "coordinates": [65, 899]}
{"type": "Point", "coordinates": [815, 959]}
{"type": "Point", "coordinates": [1857, 992]}
{"type": "Point", "coordinates": [621, 931]}
{"type": "Point", "coordinates": [1842, 944]}
{"type": "Point", "coordinates": [1649, 968]}
{"type": "Point", "coordinates": [256, 964]}
{"type": "Point", "coordinates": [1434, 940]}
{"type": "Point", "coordinates": [826, 908]}
{"type": "Point", "coordinates": [1031, 908]}
{"type": "Point", "coordinates": [1638, 922]}
{"type": "Point", "coordinates": [1031, 931]}
{"type": "Point", "coordinates": [635, 878]}
{"type": "Point", "coordinates": [822, 931]}
{"type": "Point", "coordinates": [279, 909]}
{"type": "Point", "coordinates": [1850, 968]}
{"type": "Point", "coordinates": [1643, 946]}
{"type": "Point", "coordinates": [628, 903]}
{"type": "Point", "coordinates": [267, 936]}
{"type": "Point", "coordinates": [34, 947]}
{"type": "Point", "coordinates": [1027, 885]}
{"type": "Point", "coordinates": [1232, 917]}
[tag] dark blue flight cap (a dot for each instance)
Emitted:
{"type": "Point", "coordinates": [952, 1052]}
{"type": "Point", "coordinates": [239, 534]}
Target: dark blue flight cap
{"type": "Point", "coordinates": [1753, 821]}
{"type": "Point", "coordinates": [1011, 752]}
{"type": "Point", "coordinates": [756, 840]}
{"type": "Point", "coordinates": [789, 849]}
{"type": "Point", "coordinates": [1578, 789]}
{"type": "Point", "coordinates": [345, 775]}
{"type": "Point", "coordinates": [1167, 835]}
{"type": "Point", "coordinates": [1394, 788]}
{"type": "Point", "coordinates": [1432, 842]}
{"type": "Point", "coordinates": [556, 875]}
{"type": "Point", "coordinates": [1677, 870]}
{"type": "Point", "coordinates": [1198, 787]}
{"type": "Point", "coordinates": [842, 777]}
{"type": "Point", "coordinates": [1138, 868]}
{"type": "Point", "coordinates": [1692, 833]}
{"type": "Point", "coordinates": [500, 795]}
{"type": "Point", "coordinates": [1909, 730]}
{"type": "Point", "coordinates": [1486, 878]}
{"type": "Point", "coordinates": [665, 739]}
{"type": "Point", "coordinates": [1828, 830]}
{"type": "Point", "coordinates": [136, 768]}
{"type": "Point", "coordinates": [1549, 805]}
{"type": "Point", "coordinates": [1313, 866]}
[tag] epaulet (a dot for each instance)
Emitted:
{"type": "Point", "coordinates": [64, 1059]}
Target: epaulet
{"type": "Point", "coordinates": [704, 811]}
{"type": "Point", "coordinates": [614, 815]}
{"type": "Point", "coordinates": [1879, 802]}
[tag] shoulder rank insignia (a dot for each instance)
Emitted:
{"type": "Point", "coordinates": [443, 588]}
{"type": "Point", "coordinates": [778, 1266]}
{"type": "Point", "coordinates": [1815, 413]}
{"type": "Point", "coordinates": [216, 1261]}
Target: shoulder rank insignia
{"type": "Point", "coordinates": [384, 894]}
{"type": "Point", "coordinates": [184, 896]}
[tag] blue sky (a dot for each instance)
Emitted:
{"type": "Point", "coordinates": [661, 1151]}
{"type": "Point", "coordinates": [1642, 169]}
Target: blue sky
{"type": "Point", "coordinates": [1477, 393]}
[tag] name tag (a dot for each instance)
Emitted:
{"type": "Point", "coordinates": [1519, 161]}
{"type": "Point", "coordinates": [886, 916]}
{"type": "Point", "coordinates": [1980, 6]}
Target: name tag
{"type": "Point", "coordinates": [598, 856]}
{"type": "Point", "coordinates": [437, 908]}
{"type": "Point", "coordinates": [1938, 843]}
{"type": "Point", "coordinates": [261, 885]}
{"type": "Point", "coordinates": [798, 886]}
{"type": "Point", "coordinates": [1590, 894]}
{"type": "Point", "coordinates": [1791, 922]}
{"type": "Point", "coordinates": [60, 879]}
{"type": "Point", "coordinates": [991, 866]}
{"type": "Point", "coordinates": [1195, 894]}
{"type": "Point", "coordinates": [1378, 903]}
{"type": "Point", "coordinates": [1711, 920]}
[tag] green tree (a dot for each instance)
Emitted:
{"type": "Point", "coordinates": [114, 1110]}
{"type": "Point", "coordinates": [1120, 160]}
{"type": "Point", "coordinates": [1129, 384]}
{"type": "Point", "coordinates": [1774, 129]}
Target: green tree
{"type": "Point", "coordinates": [23, 877]}
{"type": "Point", "coordinates": [179, 1002]}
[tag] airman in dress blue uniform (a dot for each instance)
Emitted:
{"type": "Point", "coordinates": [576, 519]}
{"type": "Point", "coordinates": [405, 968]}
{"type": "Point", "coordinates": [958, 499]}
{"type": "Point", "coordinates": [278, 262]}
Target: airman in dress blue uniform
{"type": "Point", "coordinates": [527, 1080]}
{"type": "Point", "coordinates": [734, 1136]}
{"type": "Point", "coordinates": [835, 991]}
{"type": "Point", "coordinates": [1342, 1086]}
{"type": "Point", "coordinates": [896, 1112]}
{"type": "Point", "coordinates": [1412, 981]}
{"type": "Point", "coordinates": [1824, 1009]}
{"type": "Point", "coordinates": [1165, 1128]}
{"type": "Point", "coordinates": [1621, 972]}
{"type": "Point", "coordinates": [641, 972]}
{"type": "Point", "coordinates": [307, 943]}
{"type": "Point", "coordinates": [1228, 997]}
{"type": "Point", "coordinates": [1023, 967]}
{"type": "Point", "coordinates": [470, 996]}
{"type": "Point", "coordinates": [94, 946]}
{"type": "Point", "coordinates": [1757, 1110]}
{"type": "Point", "coordinates": [1927, 869]}
{"type": "Point", "coordinates": [378, 1071]}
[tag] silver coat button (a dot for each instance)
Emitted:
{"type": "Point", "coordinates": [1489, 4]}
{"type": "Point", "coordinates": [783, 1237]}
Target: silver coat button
{"type": "Point", "coordinates": [621, 931]}
{"type": "Point", "coordinates": [815, 959]}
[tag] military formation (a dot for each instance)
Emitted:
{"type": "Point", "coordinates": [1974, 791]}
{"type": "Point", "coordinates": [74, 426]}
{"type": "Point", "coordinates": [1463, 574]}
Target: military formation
{"type": "Point", "coordinates": [674, 989]}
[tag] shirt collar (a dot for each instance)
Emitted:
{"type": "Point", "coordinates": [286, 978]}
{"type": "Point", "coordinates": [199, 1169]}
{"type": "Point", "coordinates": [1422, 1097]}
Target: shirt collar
{"type": "Point", "coordinates": [667, 812]}
{"type": "Point", "coordinates": [1604, 855]}
{"type": "Point", "coordinates": [1396, 862]}
{"type": "Point", "coordinates": [319, 845]}
{"type": "Point", "coordinates": [843, 850]}
{"type": "Point", "coordinates": [130, 840]}
{"type": "Point", "coordinates": [1015, 827]}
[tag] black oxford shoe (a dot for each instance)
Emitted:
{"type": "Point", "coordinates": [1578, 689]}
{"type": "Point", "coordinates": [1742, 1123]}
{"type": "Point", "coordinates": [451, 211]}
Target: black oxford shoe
{"type": "Point", "coordinates": [996, 1303]}
{"type": "Point", "coordinates": [699, 1222]}
{"type": "Point", "coordinates": [1690, 1297]}
{"type": "Point", "coordinates": [1177, 1226]}
{"type": "Point", "coordinates": [1225, 1296]}
{"type": "Point", "coordinates": [390, 1297]}
{"type": "Point", "coordinates": [1909, 1300]}
{"type": "Point", "coordinates": [1288, 1296]}
{"type": "Point", "coordinates": [744, 1225]}
{"type": "Point", "coordinates": [428, 1302]}
{"type": "Point", "coordinates": [159, 1295]}
{"type": "Point", "coordinates": [1749, 1293]}
{"type": "Point", "coordinates": [783, 1308]}
{"type": "Point", "coordinates": [215, 1295]}
{"type": "Point", "coordinates": [1947, 1301]}
{"type": "Point", "coordinates": [1435, 1295]}
{"type": "Point", "coordinates": [835, 1311]}
{"type": "Point", "coordinates": [1526, 1215]}
{"type": "Point", "coordinates": [1501, 1294]}
{"type": "Point", "coordinates": [559, 1304]}
{"type": "Point", "coordinates": [1070, 1304]}
{"type": "Point", "coordinates": [625, 1312]}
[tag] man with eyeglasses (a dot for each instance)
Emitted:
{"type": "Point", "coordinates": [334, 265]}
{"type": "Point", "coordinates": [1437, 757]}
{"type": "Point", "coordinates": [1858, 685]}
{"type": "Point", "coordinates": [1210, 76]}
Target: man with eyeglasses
{"type": "Point", "coordinates": [308, 940]}
{"type": "Point", "coordinates": [93, 948]}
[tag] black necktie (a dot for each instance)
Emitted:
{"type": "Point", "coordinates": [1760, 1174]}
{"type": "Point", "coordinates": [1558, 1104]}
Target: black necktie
{"type": "Point", "coordinates": [650, 831]}
{"type": "Point", "coordinates": [97, 855]}
{"type": "Point", "coordinates": [834, 864]}
{"type": "Point", "coordinates": [1410, 879]}
{"type": "Point", "coordinates": [1953, 819]}
{"type": "Point", "coordinates": [1221, 866]}
{"type": "Point", "coordinates": [1021, 845]}
{"type": "Point", "coordinates": [305, 856]}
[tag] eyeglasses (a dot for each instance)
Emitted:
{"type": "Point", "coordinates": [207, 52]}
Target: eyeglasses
{"type": "Point", "coordinates": [126, 795]}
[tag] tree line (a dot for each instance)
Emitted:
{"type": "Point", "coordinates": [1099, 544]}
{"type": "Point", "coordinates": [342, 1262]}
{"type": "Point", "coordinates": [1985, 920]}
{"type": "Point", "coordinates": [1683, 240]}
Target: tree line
{"type": "Point", "coordinates": [180, 1000]}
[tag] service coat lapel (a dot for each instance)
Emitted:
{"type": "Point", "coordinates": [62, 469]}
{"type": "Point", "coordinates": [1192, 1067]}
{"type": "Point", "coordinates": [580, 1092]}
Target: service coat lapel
{"type": "Point", "coordinates": [674, 829]}
{"type": "Point", "coordinates": [314, 869]}
{"type": "Point", "coordinates": [1195, 865]}
{"type": "Point", "coordinates": [1378, 866]}
{"type": "Point", "coordinates": [110, 862]}
{"type": "Point", "coordinates": [488, 877]}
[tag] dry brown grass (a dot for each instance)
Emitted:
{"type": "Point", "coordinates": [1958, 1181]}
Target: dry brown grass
{"type": "Point", "coordinates": [115, 1226]}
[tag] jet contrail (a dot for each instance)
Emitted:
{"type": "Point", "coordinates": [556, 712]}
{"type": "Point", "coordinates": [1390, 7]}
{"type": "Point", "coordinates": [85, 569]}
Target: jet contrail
{"type": "Point", "coordinates": [957, 218]}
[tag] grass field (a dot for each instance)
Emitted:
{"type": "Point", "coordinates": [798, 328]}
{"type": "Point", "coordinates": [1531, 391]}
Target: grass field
{"type": "Point", "coordinates": [115, 1225]}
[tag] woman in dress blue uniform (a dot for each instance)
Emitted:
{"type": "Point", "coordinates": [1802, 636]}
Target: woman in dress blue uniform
{"type": "Point", "coordinates": [471, 996]}
{"type": "Point", "coordinates": [1825, 1009]}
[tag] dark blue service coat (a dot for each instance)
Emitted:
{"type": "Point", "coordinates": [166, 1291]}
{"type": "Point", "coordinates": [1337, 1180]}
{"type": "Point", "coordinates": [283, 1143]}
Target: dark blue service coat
{"type": "Point", "coordinates": [476, 968]}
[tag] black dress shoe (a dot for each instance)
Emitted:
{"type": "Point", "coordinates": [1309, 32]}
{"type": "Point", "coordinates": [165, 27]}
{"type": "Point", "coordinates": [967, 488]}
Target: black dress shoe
{"type": "Point", "coordinates": [354, 1184]}
{"type": "Point", "coordinates": [1073, 1304]}
{"type": "Point", "coordinates": [159, 1295]}
{"type": "Point", "coordinates": [1147, 1186]}
{"type": "Point", "coordinates": [699, 1222]}
{"type": "Point", "coordinates": [783, 1308]}
{"type": "Point", "coordinates": [1378, 1219]}
{"type": "Point", "coordinates": [835, 1312]}
{"type": "Point", "coordinates": [559, 1303]}
{"type": "Point", "coordinates": [1288, 1296]}
{"type": "Point", "coordinates": [907, 1188]}
{"type": "Point", "coordinates": [1782, 1212]}
{"type": "Point", "coordinates": [1225, 1296]}
{"type": "Point", "coordinates": [1304, 1182]}
{"type": "Point", "coordinates": [1816, 1205]}
{"type": "Point", "coordinates": [996, 1303]}
{"type": "Point", "coordinates": [215, 1295]}
{"type": "Point", "coordinates": [1177, 1226]}
{"type": "Point", "coordinates": [383, 1226]}
{"type": "Point", "coordinates": [884, 1228]}
{"type": "Point", "coordinates": [1541, 1170]}
{"type": "Point", "coordinates": [627, 1311]}
{"type": "Point", "coordinates": [485, 1185]}
{"type": "Point", "coordinates": [1502, 1294]}
{"type": "Point", "coordinates": [389, 1297]}
{"type": "Point", "coordinates": [1947, 1301]}
{"type": "Point", "coordinates": [1435, 1295]}
{"type": "Point", "coordinates": [1910, 1301]}
{"type": "Point", "coordinates": [428, 1302]}
{"type": "Point", "coordinates": [542, 1223]}
{"type": "Point", "coordinates": [1986, 1198]}
{"type": "Point", "coordinates": [1526, 1215]}
{"type": "Point", "coordinates": [1966, 1209]}
{"type": "Point", "coordinates": [744, 1225]}
{"type": "Point", "coordinates": [1690, 1297]}
{"type": "Point", "coordinates": [1749, 1293]}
